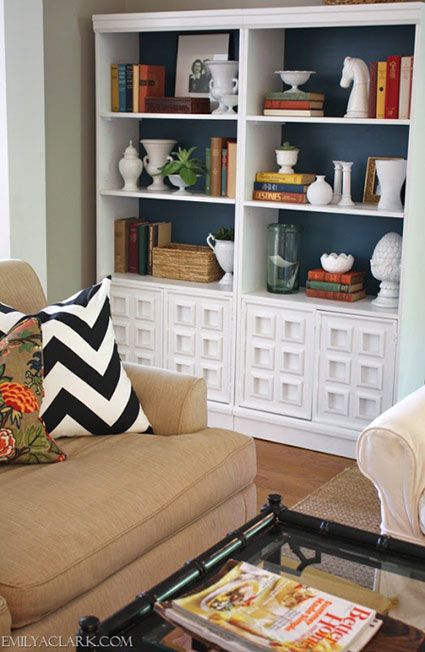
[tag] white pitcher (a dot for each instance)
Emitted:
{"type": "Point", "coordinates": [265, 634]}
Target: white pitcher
{"type": "Point", "coordinates": [223, 250]}
{"type": "Point", "coordinates": [158, 153]}
{"type": "Point", "coordinates": [224, 81]}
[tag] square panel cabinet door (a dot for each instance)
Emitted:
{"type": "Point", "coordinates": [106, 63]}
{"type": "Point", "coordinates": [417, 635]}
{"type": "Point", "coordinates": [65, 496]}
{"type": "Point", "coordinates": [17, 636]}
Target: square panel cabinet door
{"type": "Point", "coordinates": [199, 341]}
{"type": "Point", "coordinates": [356, 366]}
{"type": "Point", "coordinates": [138, 323]}
{"type": "Point", "coordinates": [278, 360]}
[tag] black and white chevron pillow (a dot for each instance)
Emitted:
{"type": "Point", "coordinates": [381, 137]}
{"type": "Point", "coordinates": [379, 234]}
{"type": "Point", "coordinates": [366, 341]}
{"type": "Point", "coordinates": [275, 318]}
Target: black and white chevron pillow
{"type": "Point", "coordinates": [86, 389]}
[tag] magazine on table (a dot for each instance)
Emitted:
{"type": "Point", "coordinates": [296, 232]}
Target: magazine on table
{"type": "Point", "coordinates": [250, 608]}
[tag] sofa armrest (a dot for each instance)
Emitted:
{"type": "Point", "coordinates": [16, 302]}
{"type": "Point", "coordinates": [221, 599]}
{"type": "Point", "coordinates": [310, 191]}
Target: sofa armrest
{"type": "Point", "coordinates": [174, 403]}
{"type": "Point", "coordinates": [391, 453]}
{"type": "Point", "coordinates": [5, 618]}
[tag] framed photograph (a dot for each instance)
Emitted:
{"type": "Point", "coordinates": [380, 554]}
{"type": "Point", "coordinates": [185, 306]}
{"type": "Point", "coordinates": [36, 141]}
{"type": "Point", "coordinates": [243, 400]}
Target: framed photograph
{"type": "Point", "coordinates": [192, 76]}
{"type": "Point", "coordinates": [371, 192]}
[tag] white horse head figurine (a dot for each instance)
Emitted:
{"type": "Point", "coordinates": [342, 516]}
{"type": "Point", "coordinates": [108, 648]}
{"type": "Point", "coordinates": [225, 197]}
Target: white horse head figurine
{"type": "Point", "coordinates": [356, 71]}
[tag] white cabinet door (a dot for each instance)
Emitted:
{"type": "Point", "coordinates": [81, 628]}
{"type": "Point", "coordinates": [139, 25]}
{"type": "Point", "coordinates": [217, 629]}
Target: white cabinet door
{"type": "Point", "coordinates": [137, 315]}
{"type": "Point", "coordinates": [278, 360]}
{"type": "Point", "coordinates": [199, 340]}
{"type": "Point", "coordinates": [356, 359]}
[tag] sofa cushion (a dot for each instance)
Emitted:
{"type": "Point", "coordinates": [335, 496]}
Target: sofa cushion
{"type": "Point", "coordinates": [23, 437]}
{"type": "Point", "coordinates": [86, 389]}
{"type": "Point", "coordinates": [113, 500]}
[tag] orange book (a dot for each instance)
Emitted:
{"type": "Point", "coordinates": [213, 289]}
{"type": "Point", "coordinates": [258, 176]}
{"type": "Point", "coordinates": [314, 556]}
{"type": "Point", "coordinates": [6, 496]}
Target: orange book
{"type": "Point", "coordinates": [216, 161]}
{"type": "Point", "coordinates": [231, 169]}
{"type": "Point", "coordinates": [381, 86]}
{"type": "Point", "coordinates": [348, 278]}
{"type": "Point", "coordinates": [336, 296]}
{"type": "Point", "coordinates": [288, 197]}
{"type": "Point", "coordinates": [115, 101]}
{"type": "Point", "coordinates": [151, 83]}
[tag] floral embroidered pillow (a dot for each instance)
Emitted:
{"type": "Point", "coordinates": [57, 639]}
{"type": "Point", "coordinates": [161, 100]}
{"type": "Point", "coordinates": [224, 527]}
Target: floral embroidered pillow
{"type": "Point", "coordinates": [23, 437]}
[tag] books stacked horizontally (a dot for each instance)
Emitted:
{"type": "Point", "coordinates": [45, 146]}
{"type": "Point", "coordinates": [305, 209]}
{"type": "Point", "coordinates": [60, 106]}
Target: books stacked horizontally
{"type": "Point", "coordinates": [289, 188]}
{"type": "Point", "coordinates": [132, 83]}
{"type": "Point", "coordinates": [220, 164]}
{"type": "Point", "coordinates": [391, 88]}
{"type": "Point", "coordinates": [134, 240]}
{"type": "Point", "coordinates": [294, 103]}
{"type": "Point", "coordinates": [252, 609]}
{"type": "Point", "coordinates": [338, 287]}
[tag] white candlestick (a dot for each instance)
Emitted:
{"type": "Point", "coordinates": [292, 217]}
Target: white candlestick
{"type": "Point", "coordinates": [346, 185]}
{"type": "Point", "coordinates": [337, 182]}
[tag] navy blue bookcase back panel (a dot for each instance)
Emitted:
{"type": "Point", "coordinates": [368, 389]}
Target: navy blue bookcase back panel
{"type": "Point", "coordinates": [191, 221]}
{"type": "Point", "coordinates": [324, 50]}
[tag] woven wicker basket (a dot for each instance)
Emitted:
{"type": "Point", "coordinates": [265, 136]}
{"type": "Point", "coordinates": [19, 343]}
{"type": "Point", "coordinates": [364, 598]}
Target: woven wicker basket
{"type": "Point", "coordinates": [186, 263]}
{"type": "Point", "coordinates": [360, 2]}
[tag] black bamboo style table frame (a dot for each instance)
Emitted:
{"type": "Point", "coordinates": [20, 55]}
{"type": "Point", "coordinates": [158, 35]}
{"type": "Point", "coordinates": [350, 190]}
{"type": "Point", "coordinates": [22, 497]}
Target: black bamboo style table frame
{"type": "Point", "coordinates": [275, 521]}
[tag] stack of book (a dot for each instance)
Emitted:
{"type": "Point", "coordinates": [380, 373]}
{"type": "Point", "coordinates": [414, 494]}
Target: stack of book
{"type": "Point", "coordinates": [391, 88]}
{"type": "Point", "coordinates": [220, 164]}
{"type": "Point", "coordinates": [132, 83]}
{"type": "Point", "coordinates": [298, 103]}
{"type": "Point", "coordinates": [338, 287]}
{"type": "Point", "coordinates": [134, 240]}
{"type": "Point", "coordinates": [289, 188]}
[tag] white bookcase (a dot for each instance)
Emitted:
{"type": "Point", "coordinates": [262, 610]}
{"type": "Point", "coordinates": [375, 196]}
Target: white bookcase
{"type": "Point", "coordinates": [311, 373]}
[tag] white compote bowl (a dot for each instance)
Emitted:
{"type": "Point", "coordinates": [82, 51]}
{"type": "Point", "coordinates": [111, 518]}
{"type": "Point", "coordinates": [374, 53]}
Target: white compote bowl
{"type": "Point", "coordinates": [337, 263]}
{"type": "Point", "coordinates": [294, 78]}
{"type": "Point", "coordinates": [230, 101]}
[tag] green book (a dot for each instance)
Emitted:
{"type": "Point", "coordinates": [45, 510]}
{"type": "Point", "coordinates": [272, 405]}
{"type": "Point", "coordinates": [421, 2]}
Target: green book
{"type": "Point", "coordinates": [143, 248]}
{"type": "Point", "coordinates": [334, 287]}
{"type": "Point", "coordinates": [208, 171]}
{"type": "Point", "coordinates": [300, 95]}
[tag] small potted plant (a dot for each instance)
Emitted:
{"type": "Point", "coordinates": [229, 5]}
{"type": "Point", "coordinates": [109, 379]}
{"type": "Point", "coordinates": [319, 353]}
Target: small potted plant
{"type": "Point", "coordinates": [286, 157]}
{"type": "Point", "coordinates": [223, 248]}
{"type": "Point", "coordinates": [183, 170]}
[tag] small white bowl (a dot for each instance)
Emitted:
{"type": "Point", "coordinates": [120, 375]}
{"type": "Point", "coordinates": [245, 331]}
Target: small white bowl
{"type": "Point", "coordinates": [295, 78]}
{"type": "Point", "coordinates": [337, 263]}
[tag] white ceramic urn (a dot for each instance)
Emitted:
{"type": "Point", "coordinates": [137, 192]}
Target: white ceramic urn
{"type": "Point", "coordinates": [130, 167]}
{"type": "Point", "coordinates": [158, 153]}
{"type": "Point", "coordinates": [224, 252]}
{"type": "Point", "coordinates": [320, 192]}
{"type": "Point", "coordinates": [223, 81]}
{"type": "Point", "coordinates": [391, 174]}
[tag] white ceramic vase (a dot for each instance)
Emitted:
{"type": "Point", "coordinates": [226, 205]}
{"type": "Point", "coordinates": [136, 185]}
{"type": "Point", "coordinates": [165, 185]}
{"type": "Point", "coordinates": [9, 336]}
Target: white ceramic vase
{"type": "Point", "coordinates": [130, 167]}
{"type": "Point", "coordinates": [286, 159]}
{"type": "Point", "coordinates": [391, 174]}
{"type": "Point", "coordinates": [223, 81]}
{"type": "Point", "coordinates": [385, 266]}
{"type": "Point", "coordinates": [158, 153]}
{"type": "Point", "coordinates": [320, 192]}
{"type": "Point", "coordinates": [224, 252]}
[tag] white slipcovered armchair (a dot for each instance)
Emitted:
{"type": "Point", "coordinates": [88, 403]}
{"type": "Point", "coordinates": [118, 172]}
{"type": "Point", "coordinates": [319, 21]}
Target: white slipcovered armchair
{"type": "Point", "coordinates": [391, 453]}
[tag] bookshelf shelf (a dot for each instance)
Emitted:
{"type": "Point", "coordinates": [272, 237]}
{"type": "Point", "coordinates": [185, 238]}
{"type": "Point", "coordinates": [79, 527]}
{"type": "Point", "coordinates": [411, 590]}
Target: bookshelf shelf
{"type": "Point", "coordinates": [358, 209]}
{"type": "Point", "coordinates": [259, 119]}
{"type": "Point", "coordinates": [169, 195]}
{"type": "Point", "coordinates": [184, 286]}
{"type": "Point", "coordinates": [113, 115]}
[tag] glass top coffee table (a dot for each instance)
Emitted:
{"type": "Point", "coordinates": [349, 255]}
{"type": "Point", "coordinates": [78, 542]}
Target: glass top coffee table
{"type": "Point", "coordinates": [376, 571]}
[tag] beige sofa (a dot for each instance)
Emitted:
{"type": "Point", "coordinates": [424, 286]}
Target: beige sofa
{"type": "Point", "coordinates": [85, 536]}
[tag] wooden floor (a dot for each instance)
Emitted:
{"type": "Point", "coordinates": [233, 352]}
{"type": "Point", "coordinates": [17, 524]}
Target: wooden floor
{"type": "Point", "coordinates": [293, 472]}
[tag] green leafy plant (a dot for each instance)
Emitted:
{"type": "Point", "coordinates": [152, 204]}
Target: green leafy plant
{"type": "Point", "coordinates": [188, 168]}
{"type": "Point", "coordinates": [287, 146]}
{"type": "Point", "coordinates": [224, 234]}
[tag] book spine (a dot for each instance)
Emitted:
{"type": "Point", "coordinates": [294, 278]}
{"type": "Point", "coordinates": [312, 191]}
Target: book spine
{"type": "Point", "coordinates": [120, 246]}
{"type": "Point", "coordinates": [177, 105]}
{"type": "Point", "coordinates": [115, 98]}
{"type": "Point", "coordinates": [309, 113]}
{"type": "Point", "coordinates": [292, 104]}
{"type": "Point", "coordinates": [163, 234]}
{"type": "Point", "coordinates": [276, 177]}
{"type": "Point", "coordinates": [373, 70]}
{"type": "Point", "coordinates": [216, 148]}
{"type": "Point", "coordinates": [295, 96]}
{"type": "Point", "coordinates": [122, 94]}
{"type": "Point", "coordinates": [288, 197]}
{"type": "Point", "coordinates": [224, 172]}
{"type": "Point", "coordinates": [336, 296]}
{"type": "Point", "coordinates": [405, 85]}
{"type": "Point", "coordinates": [143, 249]}
{"type": "Point", "coordinates": [129, 87]}
{"type": "Point", "coordinates": [135, 88]}
{"type": "Point", "coordinates": [133, 248]}
{"type": "Point", "coordinates": [334, 287]}
{"type": "Point", "coordinates": [348, 278]}
{"type": "Point", "coordinates": [393, 87]}
{"type": "Point", "coordinates": [151, 83]}
{"type": "Point", "coordinates": [231, 169]}
{"type": "Point", "coordinates": [152, 240]}
{"type": "Point", "coordinates": [381, 82]}
{"type": "Point", "coordinates": [208, 171]}
{"type": "Point", "coordinates": [280, 187]}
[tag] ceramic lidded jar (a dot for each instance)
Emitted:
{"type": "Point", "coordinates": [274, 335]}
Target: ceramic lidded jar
{"type": "Point", "coordinates": [130, 167]}
{"type": "Point", "coordinates": [320, 192]}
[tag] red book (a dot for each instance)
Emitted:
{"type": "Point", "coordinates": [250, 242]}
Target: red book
{"type": "Point", "coordinates": [373, 72]}
{"type": "Point", "coordinates": [151, 83]}
{"type": "Point", "coordinates": [287, 197]}
{"type": "Point", "coordinates": [336, 296]}
{"type": "Point", "coordinates": [133, 247]}
{"type": "Point", "coordinates": [393, 87]}
{"type": "Point", "coordinates": [349, 278]}
{"type": "Point", "coordinates": [292, 104]}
